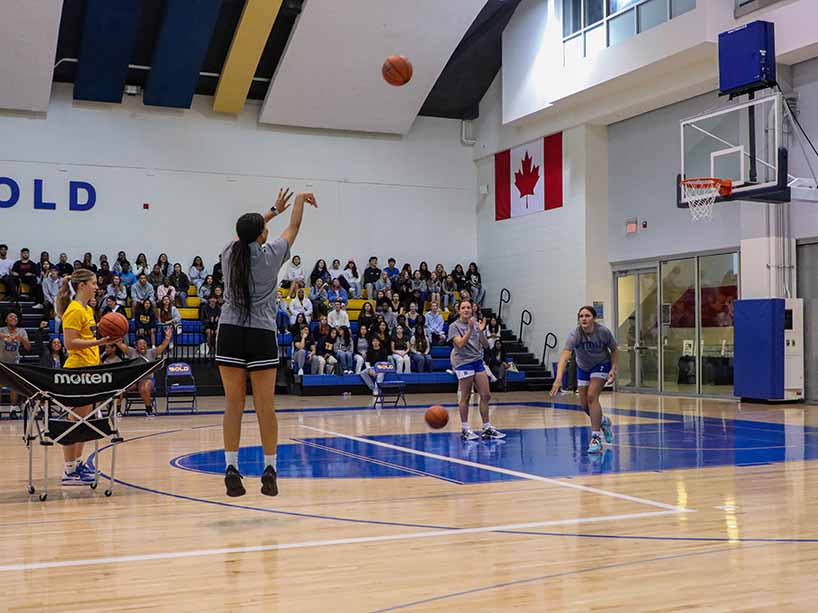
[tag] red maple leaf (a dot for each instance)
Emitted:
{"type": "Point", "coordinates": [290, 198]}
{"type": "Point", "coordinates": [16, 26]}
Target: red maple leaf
{"type": "Point", "coordinates": [527, 180]}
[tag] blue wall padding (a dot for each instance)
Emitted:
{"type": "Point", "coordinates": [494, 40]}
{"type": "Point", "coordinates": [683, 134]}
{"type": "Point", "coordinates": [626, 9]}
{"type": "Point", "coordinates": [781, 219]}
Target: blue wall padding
{"type": "Point", "coordinates": [108, 37]}
{"type": "Point", "coordinates": [758, 369]}
{"type": "Point", "coordinates": [180, 51]}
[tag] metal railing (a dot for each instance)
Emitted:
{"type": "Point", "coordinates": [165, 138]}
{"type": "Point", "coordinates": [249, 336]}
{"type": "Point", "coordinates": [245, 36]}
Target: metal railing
{"type": "Point", "coordinates": [505, 298]}
{"type": "Point", "coordinates": [523, 322]}
{"type": "Point", "coordinates": [550, 343]}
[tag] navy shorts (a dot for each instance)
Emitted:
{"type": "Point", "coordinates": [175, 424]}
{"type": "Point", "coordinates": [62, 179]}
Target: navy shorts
{"type": "Point", "coordinates": [248, 348]}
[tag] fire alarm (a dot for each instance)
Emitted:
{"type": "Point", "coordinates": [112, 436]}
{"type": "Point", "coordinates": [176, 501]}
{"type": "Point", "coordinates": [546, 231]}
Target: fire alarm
{"type": "Point", "coordinates": [146, 205]}
{"type": "Point", "coordinates": [644, 225]}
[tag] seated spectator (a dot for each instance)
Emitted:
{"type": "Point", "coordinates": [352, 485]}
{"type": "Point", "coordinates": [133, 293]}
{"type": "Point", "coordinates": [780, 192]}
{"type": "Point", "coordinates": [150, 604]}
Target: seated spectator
{"type": "Point", "coordinates": [382, 302]}
{"type": "Point", "coordinates": [12, 338]}
{"type": "Point", "coordinates": [88, 262]}
{"type": "Point", "coordinates": [371, 275]}
{"type": "Point", "coordinates": [498, 364]}
{"type": "Point", "coordinates": [197, 272]}
{"type": "Point", "coordinates": [351, 276]}
{"type": "Point", "coordinates": [120, 258]}
{"type": "Point", "coordinates": [142, 290]}
{"type": "Point", "coordinates": [404, 287]}
{"type": "Point", "coordinates": [390, 319]}
{"type": "Point", "coordinates": [110, 306]}
{"type": "Point", "coordinates": [282, 313]}
{"type": "Point", "coordinates": [336, 292]}
{"type": "Point", "coordinates": [367, 316]}
{"type": "Point", "coordinates": [300, 322]}
{"type": "Point", "coordinates": [396, 305]}
{"type": "Point", "coordinates": [376, 354]}
{"type": "Point", "coordinates": [206, 288]}
{"type": "Point", "coordinates": [303, 342]}
{"type": "Point", "coordinates": [413, 316]}
{"type": "Point", "coordinates": [300, 304]}
{"type": "Point", "coordinates": [140, 266]}
{"type": "Point", "coordinates": [391, 270]}
{"type": "Point", "coordinates": [400, 320]}
{"type": "Point", "coordinates": [24, 271]}
{"type": "Point", "coordinates": [44, 257]}
{"type": "Point", "coordinates": [128, 278]}
{"type": "Point", "coordinates": [105, 273]}
{"type": "Point", "coordinates": [140, 351]}
{"type": "Point", "coordinates": [440, 272]}
{"type": "Point", "coordinates": [294, 278]}
{"type": "Point", "coordinates": [53, 354]}
{"type": "Point", "coordinates": [434, 286]}
{"type": "Point", "coordinates": [318, 297]}
{"type": "Point", "coordinates": [344, 351]}
{"type": "Point", "coordinates": [118, 291]}
{"type": "Point", "coordinates": [319, 271]}
{"type": "Point", "coordinates": [51, 283]}
{"type": "Point", "coordinates": [407, 268]}
{"type": "Point", "coordinates": [219, 293]}
{"type": "Point", "coordinates": [111, 355]}
{"type": "Point", "coordinates": [474, 283]}
{"type": "Point", "coordinates": [421, 349]}
{"type": "Point", "coordinates": [169, 315]}
{"type": "Point", "coordinates": [324, 361]}
{"type": "Point", "coordinates": [419, 288]}
{"type": "Point", "coordinates": [144, 321]}
{"type": "Point", "coordinates": [425, 273]}
{"type": "Point", "coordinates": [359, 348]}
{"type": "Point", "coordinates": [435, 325]}
{"type": "Point", "coordinates": [400, 351]}
{"type": "Point", "coordinates": [166, 289]}
{"type": "Point", "coordinates": [64, 266]}
{"type": "Point", "coordinates": [156, 277]}
{"type": "Point", "coordinates": [383, 283]}
{"type": "Point", "coordinates": [459, 277]}
{"type": "Point", "coordinates": [218, 275]}
{"type": "Point", "coordinates": [492, 331]}
{"type": "Point", "coordinates": [164, 264]}
{"type": "Point", "coordinates": [448, 292]}
{"type": "Point", "coordinates": [180, 281]}
{"type": "Point", "coordinates": [323, 327]}
{"type": "Point", "coordinates": [209, 316]}
{"type": "Point", "coordinates": [338, 317]}
{"type": "Point", "coordinates": [6, 278]}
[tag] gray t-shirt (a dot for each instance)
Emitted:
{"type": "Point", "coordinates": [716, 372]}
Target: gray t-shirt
{"type": "Point", "coordinates": [10, 350]}
{"type": "Point", "coordinates": [472, 350]}
{"type": "Point", "coordinates": [148, 356]}
{"type": "Point", "coordinates": [265, 263]}
{"type": "Point", "coordinates": [591, 349]}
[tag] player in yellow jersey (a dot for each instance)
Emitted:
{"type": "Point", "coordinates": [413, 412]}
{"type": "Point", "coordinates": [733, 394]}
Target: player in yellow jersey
{"type": "Point", "coordinates": [79, 330]}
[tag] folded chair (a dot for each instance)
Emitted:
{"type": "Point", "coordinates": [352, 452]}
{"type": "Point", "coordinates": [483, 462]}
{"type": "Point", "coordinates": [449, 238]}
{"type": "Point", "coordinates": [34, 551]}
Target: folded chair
{"type": "Point", "coordinates": [49, 414]}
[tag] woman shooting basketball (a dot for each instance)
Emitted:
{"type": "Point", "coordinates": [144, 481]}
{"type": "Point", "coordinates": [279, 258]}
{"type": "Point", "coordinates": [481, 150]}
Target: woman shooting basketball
{"type": "Point", "coordinates": [246, 340]}
{"type": "Point", "coordinates": [596, 352]}
{"type": "Point", "coordinates": [469, 340]}
{"type": "Point", "coordinates": [83, 350]}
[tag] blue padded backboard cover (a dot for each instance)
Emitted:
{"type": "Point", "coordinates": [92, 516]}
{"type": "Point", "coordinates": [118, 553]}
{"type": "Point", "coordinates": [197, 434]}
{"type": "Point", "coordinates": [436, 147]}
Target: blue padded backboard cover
{"type": "Point", "coordinates": [747, 58]}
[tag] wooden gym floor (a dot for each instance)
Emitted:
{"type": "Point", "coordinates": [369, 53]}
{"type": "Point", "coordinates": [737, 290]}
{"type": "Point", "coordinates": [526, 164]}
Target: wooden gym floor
{"type": "Point", "coordinates": [698, 504]}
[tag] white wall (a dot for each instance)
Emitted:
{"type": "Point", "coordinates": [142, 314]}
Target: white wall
{"type": "Point", "coordinates": [410, 197]}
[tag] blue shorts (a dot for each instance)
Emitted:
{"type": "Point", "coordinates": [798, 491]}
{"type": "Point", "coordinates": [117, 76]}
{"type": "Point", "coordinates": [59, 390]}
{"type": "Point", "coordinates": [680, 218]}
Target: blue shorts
{"type": "Point", "coordinates": [469, 369]}
{"type": "Point", "coordinates": [600, 371]}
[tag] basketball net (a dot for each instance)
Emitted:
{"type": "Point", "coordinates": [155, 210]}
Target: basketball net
{"type": "Point", "coordinates": [700, 195]}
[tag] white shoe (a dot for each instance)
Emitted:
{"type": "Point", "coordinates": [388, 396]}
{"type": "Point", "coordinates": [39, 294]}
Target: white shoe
{"type": "Point", "coordinates": [374, 392]}
{"type": "Point", "coordinates": [300, 372]}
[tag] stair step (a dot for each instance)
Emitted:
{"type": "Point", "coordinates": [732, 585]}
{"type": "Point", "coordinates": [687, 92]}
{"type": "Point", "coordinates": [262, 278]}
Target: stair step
{"type": "Point", "coordinates": [520, 355]}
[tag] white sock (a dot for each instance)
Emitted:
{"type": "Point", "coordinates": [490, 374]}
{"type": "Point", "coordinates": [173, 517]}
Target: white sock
{"type": "Point", "coordinates": [595, 433]}
{"type": "Point", "coordinates": [270, 460]}
{"type": "Point", "coordinates": [231, 458]}
{"type": "Point", "coordinates": [70, 467]}
{"type": "Point", "coordinates": [487, 425]}
{"type": "Point", "coordinates": [465, 426]}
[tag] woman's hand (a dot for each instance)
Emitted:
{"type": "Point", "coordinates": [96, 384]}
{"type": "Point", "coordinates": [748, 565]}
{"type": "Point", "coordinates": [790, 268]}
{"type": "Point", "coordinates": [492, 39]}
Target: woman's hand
{"type": "Point", "coordinates": [555, 388]}
{"type": "Point", "coordinates": [283, 200]}
{"type": "Point", "coordinates": [307, 197]}
{"type": "Point", "coordinates": [611, 376]}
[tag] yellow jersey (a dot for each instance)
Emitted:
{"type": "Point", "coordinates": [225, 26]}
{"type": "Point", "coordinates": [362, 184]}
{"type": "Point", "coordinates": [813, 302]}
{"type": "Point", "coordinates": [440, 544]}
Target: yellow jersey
{"type": "Point", "coordinates": [81, 319]}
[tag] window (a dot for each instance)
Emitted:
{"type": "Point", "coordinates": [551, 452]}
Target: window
{"type": "Point", "coordinates": [591, 25]}
{"type": "Point", "coordinates": [748, 6]}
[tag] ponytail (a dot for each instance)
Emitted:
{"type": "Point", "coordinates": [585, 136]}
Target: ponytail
{"type": "Point", "coordinates": [69, 288]}
{"type": "Point", "coordinates": [241, 278]}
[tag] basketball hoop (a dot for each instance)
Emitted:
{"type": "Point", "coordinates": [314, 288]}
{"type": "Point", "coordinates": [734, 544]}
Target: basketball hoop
{"type": "Point", "coordinates": [700, 195]}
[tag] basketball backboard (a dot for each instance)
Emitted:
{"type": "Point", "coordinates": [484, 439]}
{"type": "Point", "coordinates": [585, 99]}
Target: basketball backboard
{"type": "Point", "coordinates": [744, 143]}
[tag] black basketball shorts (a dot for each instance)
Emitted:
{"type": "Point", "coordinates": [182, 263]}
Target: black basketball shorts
{"type": "Point", "coordinates": [249, 348]}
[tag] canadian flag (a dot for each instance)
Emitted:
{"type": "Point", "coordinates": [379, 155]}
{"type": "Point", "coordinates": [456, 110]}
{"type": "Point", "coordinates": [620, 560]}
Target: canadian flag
{"type": "Point", "coordinates": [528, 178]}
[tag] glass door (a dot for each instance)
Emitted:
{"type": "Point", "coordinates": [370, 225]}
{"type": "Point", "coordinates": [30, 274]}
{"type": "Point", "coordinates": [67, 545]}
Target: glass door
{"type": "Point", "coordinates": [718, 290]}
{"type": "Point", "coordinates": [679, 363]}
{"type": "Point", "coordinates": [637, 330]}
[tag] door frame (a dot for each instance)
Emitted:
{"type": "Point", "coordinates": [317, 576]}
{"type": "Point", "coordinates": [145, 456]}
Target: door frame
{"type": "Point", "coordinates": [637, 270]}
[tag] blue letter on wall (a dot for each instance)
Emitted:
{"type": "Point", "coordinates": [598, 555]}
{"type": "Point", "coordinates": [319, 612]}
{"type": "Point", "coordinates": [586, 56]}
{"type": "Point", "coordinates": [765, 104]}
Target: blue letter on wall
{"type": "Point", "coordinates": [74, 203]}
{"type": "Point", "coordinates": [39, 203]}
{"type": "Point", "coordinates": [15, 192]}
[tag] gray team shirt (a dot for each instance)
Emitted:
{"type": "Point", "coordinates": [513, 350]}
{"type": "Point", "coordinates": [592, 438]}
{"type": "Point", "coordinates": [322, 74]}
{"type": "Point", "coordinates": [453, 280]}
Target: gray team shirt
{"type": "Point", "coordinates": [591, 349]}
{"type": "Point", "coordinates": [265, 263]}
{"type": "Point", "coordinates": [10, 350]}
{"type": "Point", "coordinates": [472, 350]}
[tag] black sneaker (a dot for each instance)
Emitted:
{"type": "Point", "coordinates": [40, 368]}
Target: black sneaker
{"type": "Point", "coordinates": [232, 480]}
{"type": "Point", "coordinates": [269, 487]}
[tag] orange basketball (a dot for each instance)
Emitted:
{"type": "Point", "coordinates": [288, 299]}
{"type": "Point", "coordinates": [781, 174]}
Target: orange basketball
{"type": "Point", "coordinates": [397, 70]}
{"type": "Point", "coordinates": [437, 417]}
{"type": "Point", "coordinates": [113, 325]}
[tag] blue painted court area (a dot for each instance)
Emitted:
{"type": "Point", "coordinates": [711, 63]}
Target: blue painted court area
{"type": "Point", "coordinates": [673, 443]}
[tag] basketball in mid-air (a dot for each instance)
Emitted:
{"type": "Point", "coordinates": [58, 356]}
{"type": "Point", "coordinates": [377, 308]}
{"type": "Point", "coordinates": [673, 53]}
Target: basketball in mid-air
{"type": "Point", "coordinates": [437, 417]}
{"type": "Point", "coordinates": [397, 70]}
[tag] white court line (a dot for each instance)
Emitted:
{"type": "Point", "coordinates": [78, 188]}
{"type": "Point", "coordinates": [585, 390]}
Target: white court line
{"type": "Point", "coordinates": [504, 471]}
{"type": "Point", "coordinates": [197, 553]}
